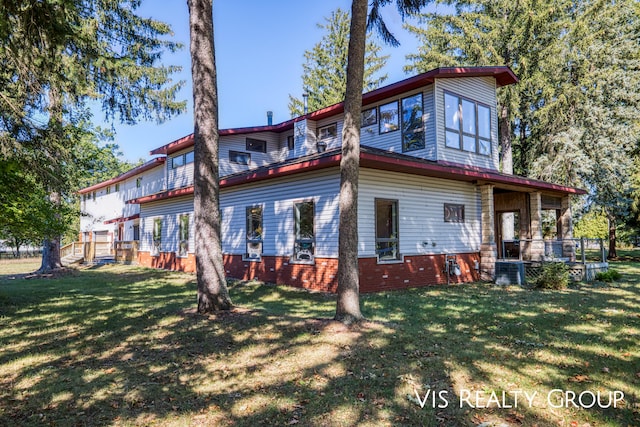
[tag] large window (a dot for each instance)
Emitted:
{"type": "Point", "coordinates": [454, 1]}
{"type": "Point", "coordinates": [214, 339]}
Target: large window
{"type": "Point", "coordinates": [303, 248]}
{"type": "Point", "coordinates": [387, 241]}
{"type": "Point", "coordinates": [156, 244]}
{"type": "Point", "coordinates": [183, 233]}
{"type": "Point", "coordinates": [467, 125]}
{"type": "Point", "coordinates": [412, 124]}
{"type": "Point", "coordinates": [254, 233]}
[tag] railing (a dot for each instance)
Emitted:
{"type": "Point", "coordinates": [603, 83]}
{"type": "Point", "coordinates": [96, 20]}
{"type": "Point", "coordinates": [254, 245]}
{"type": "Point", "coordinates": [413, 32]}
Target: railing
{"type": "Point", "coordinates": [126, 251]}
{"type": "Point", "coordinates": [72, 249]}
{"type": "Point", "coordinates": [575, 250]}
{"type": "Point", "coordinates": [103, 248]}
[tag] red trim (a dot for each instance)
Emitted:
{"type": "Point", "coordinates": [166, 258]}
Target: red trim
{"type": "Point", "coordinates": [135, 171]}
{"type": "Point", "coordinates": [503, 75]}
{"type": "Point", "coordinates": [122, 219]}
{"type": "Point", "coordinates": [185, 191]}
{"type": "Point", "coordinates": [290, 169]}
{"type": "Point", "coordinates": [458, 173]}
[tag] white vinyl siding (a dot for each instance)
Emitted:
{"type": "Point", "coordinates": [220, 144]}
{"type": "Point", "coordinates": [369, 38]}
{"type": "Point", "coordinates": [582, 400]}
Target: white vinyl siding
{"type": "Point", "coordinates": [420, 213]}
{"type": "Point", "coordinates": [181, 176]}
{"type": "Point", "coordinates": [482, 90]}
{"type": "Point", "coordinates": [169, 211]}
{"type": "Point", "coordinates": [275, 152]}
{"type": "Point", "coordinates": [277, 197]}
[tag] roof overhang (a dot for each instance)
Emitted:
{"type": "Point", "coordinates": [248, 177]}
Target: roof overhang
{"type": "Point", "coordinates": [373, 158]}
{"type": "Point", "coordinates": [503, 75]}
{"type": "Point", "coordinates": [122, 219]}
{"type": "Point", "coordinates": [133, 172]}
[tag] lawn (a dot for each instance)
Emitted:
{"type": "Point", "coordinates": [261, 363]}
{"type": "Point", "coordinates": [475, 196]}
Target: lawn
{"type": "Point", "coordinates": [122, 345]}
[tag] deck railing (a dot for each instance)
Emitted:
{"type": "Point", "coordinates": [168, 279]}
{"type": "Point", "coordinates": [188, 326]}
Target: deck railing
{"type": "Point", "coordinates": [575, 250]}
{"type": "Point", "coordinates": [126, 251]}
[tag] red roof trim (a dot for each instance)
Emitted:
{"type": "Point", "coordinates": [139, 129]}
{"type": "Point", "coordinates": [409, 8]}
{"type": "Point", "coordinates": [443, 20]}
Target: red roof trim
{"type": "Point", "coordinates": [122, 219]}
{"type": "Point", "coordinates": [185, 191]}
{"type": "Point", "coordinates": [280, 171]}
{"type": "Point", "coordinates": [459, 172]}
{"type": "Point", "coordinates": [503, 75]}
{"type": "Point", "coordinates": [135, 171]}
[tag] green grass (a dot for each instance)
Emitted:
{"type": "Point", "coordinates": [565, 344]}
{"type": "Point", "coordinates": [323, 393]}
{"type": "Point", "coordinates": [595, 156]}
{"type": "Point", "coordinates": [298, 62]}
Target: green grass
{"type": "Point", "coordinates": [118, 345]}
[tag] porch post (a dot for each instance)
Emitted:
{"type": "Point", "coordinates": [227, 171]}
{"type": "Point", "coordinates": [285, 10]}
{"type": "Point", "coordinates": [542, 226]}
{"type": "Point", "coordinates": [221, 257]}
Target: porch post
{"type": "Point", "coordinates": [566, 229]}
{"type": "Point", "coordinates": [537, 244]}
{"type": "Point", "coordinates": [488, 248]}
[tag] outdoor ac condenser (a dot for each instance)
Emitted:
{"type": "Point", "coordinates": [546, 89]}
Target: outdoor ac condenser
{"type": "Point", "coordinates": [510, 273]}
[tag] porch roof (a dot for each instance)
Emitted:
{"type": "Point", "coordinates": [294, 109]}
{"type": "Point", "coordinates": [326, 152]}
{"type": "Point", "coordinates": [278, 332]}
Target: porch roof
{"type": "Point", "coordinates": [374, 158]}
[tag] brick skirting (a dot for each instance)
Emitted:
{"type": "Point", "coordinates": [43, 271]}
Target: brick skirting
{"type": "Point", "coordinates": [415, 271]}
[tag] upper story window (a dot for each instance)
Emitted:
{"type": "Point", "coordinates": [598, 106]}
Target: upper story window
{"type": "Point", "coordinates": [117, 187]}
{"type": "Point", "coordinates": [182, 160]}
{"type": "Point", "coordinates": [239, 157]}
{"type": "Point", "coordinates": [291, 144]}
{"type": "Point", "coordinates": [412, 123]}
{"type": "Point", "coordinates": [304, 243]}
{"type": "Point", "coordinates": [139, 182]}
{"type": "Point", "coordinates": [328, 132]}
{"type": "Point", "coordinates": [467, 124]}
{"type": "Point", "coordinates": [369, 117]}
{"type": "Point", "coordinates": [389, 117]}
{"type": "Point", "coordinates": [108, 189]}
{"type": "Point", "coordinates": [257, 145]}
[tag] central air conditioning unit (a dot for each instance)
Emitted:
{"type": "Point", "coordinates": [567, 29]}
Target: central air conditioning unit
{"type": "Point", "coordinates": [510, 273]}
{"type": "Point", "coordinates": [254, 250]}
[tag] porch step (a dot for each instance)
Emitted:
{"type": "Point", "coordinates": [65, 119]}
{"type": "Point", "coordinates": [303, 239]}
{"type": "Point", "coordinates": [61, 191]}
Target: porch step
{"type": "Point", "coordinates": [72, 259]}
{"type": "Point", "coordinates": [104, 259]}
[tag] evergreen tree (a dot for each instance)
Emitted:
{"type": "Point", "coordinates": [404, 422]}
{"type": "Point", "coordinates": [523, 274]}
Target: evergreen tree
{"type": "Point", "coordinates": [324, 73]}
{"type": "Point", "coordinates": [348, 300]}
{"type": "Point", "coordinates": [212, 286]}
{"type": "Point", "coordinates": [56, 56]}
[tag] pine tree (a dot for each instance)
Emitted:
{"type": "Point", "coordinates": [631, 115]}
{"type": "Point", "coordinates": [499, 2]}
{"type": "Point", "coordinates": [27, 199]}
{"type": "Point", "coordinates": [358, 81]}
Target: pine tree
{"type": "Point", "coordinates": [324, 73]}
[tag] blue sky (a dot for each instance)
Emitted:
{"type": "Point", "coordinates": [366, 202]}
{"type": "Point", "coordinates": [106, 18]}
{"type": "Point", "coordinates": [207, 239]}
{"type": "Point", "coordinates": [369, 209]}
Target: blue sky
{"type": "Point", "coordinates": [259, 55]}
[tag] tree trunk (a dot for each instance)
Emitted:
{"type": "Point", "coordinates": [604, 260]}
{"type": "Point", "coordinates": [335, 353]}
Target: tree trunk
{"type": "Point", "coordinates": [613, 254]}
{"type": "Point", "coordinates": [348, 303]}
{"type": "Point", "coordinates": [210, 273]}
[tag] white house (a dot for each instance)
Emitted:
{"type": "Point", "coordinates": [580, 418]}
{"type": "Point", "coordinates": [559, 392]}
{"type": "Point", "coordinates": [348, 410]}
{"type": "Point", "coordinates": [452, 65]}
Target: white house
{"type": "Point", "coordinates": [429, 204]}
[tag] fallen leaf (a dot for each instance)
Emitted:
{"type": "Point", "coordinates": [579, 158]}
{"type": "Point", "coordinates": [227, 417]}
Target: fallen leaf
{"type": "Point", "coordinates": [579, 378]}
{"type": "Point", "coordinates": [605, 370]}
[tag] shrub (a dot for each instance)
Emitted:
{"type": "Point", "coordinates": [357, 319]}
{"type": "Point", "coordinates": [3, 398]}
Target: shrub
{"type": "Point", "coordinates": [553, 275]}
{"type": "Point", "coordinates": [608, 276]}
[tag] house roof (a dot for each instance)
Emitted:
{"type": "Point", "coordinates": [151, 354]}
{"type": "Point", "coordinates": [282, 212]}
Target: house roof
{"type": "Point", "coordinates": [503, 75]}
{"type": "Point", "coordinates": [374, 158]}
{"type": "Point", "coordinates": [135, 171]}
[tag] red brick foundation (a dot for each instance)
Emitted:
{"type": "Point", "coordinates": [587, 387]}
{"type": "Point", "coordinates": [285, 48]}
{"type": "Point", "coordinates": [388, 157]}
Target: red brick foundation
{"type": "Point", "coordinates": [168, 261]}
{"type": "Point", "coordinates": [415, 271]}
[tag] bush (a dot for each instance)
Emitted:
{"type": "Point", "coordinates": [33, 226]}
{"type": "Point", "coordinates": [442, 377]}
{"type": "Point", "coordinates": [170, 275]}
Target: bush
{"type": "Point", "coordinates": [609, 276]}
{"type": "Point", "coordinates": [553, 275]}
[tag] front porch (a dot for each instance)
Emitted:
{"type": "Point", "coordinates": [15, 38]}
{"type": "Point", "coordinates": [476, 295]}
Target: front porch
{"type": "Point", "coordinates": [530, 227]}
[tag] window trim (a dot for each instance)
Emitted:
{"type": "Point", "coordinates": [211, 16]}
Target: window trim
{"type": "Point", "coordinates": [255, 240]}
{"type": "Point", "coordinates": [448, 208]}
{"type": "Point", "coordinates": [156, 240]}
{"type": "Point", "coordinates": [399, 257]}
{"type": "Point", "coordinates": [371, 120]}
{"type": "Point", "coordinates": [402, 122]}
{"type": "Point", "coordinates": [461, 132]}
{"type": "Point", "coordinates": [180, 253]}
{"type": "Point", "coordinates": [239, 153]}
{"type": "Point", "coordinates": [261, 142]}
{"type": "Point", "coordinates": [329, 126]}
{"type": "Point", "coordinates": [294, 255]}
{"type": "Point", "coordinates": [397, 118]}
